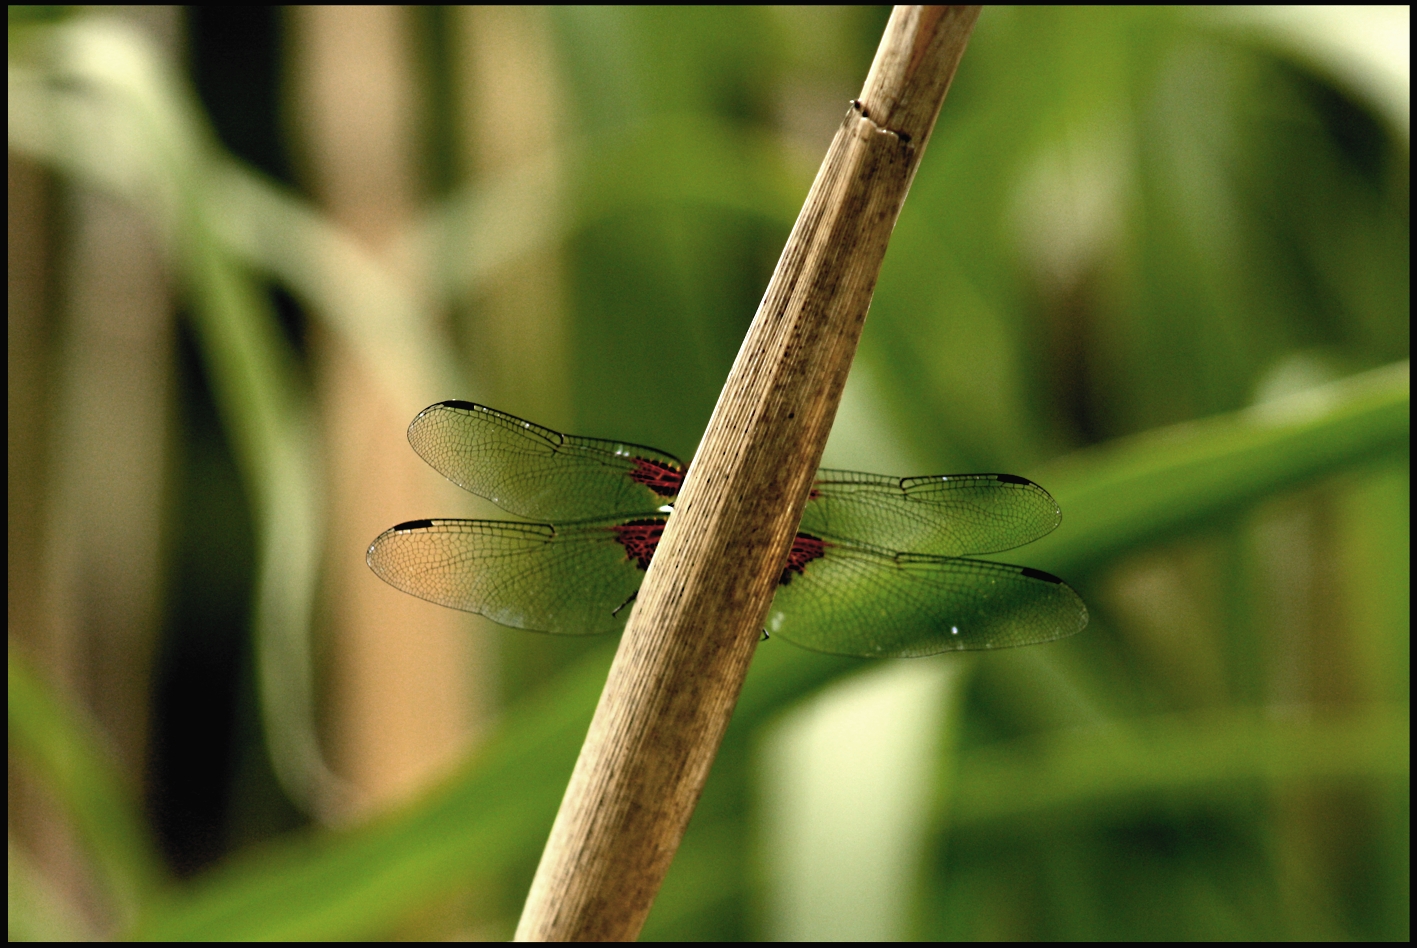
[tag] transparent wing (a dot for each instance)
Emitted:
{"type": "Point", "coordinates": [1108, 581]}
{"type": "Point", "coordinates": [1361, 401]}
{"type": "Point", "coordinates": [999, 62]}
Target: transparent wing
{"type": "Point", "coordinates": [571, 579]}
{"type": "Point", "coordinates": [535, 472]}
{"type": "Point", "coordinates": [941, 514]}
{"type": "Point", "coordinates": [875, 604]}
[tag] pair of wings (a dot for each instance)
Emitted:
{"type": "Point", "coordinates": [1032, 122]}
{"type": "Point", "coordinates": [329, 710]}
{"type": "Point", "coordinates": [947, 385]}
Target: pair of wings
{"type": "Point", "coordinates": [572, 575]}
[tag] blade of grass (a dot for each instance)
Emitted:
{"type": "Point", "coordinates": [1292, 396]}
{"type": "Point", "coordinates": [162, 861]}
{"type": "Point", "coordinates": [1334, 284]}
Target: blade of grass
{"type": "Point", "coordinates": [493, 814]}
{"type": "Point", "coordinates": [90, 96]}
{"type": "Point", "coordinates": [1150, 487]}
{"type": "Point", "coordinates": [46, 732]}
{"type": "Point", "coordinates": [1108, 767]}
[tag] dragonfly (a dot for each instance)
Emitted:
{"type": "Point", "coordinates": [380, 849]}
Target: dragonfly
{"type": "Point", "coordinates": [879, 566]}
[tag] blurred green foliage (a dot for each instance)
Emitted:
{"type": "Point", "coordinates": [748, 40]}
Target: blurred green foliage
{"type": "Point", "coordinates": [1153, 259]}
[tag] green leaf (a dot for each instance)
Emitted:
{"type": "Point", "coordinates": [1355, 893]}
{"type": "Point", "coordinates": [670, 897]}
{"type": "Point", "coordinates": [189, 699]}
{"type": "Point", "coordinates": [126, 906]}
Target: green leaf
{"type": "Point", "coordinates": [65, 755]}
{"type": "Point", "coordinates": [1147, 488]}
{"type": "Point", "coordinates": [1111, 767]}
{"type": "Point", "coordinates": [493, 816]}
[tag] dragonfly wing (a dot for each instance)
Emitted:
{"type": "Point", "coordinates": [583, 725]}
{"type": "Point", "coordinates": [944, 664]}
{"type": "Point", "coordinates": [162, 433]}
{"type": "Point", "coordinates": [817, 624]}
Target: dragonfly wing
{"type": "Point", "coordinates": [941, 514]}
{"type": "Point", "coordinates": [535, 472]}
{"type": "Point", "coordinates": [875, 604]}
{"type": "Point", "coordinates": [571, 579]}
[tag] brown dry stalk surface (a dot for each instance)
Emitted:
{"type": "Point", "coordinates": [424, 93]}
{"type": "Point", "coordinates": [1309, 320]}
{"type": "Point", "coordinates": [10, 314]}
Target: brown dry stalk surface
{"type": "Point", "coordinates": [688, 643]}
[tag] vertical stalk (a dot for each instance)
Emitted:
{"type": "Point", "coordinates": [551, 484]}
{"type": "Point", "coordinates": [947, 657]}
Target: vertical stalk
{"type": "Point", "coordinates": [689, 641]}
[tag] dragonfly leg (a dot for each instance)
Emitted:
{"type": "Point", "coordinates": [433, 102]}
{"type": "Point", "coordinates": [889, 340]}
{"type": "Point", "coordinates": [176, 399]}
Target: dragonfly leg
{"type": "Point", "coordinates": [622, 605]}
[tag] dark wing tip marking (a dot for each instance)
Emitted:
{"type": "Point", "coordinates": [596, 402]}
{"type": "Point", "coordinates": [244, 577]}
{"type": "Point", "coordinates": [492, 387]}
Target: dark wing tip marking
{"type": "Point", "coordinates": [452, 403]}
{"type": "Point", "coordinates": [1032, 573]}
{"type": "Point", "coordinates": [410, 525]}
{"type": "Point", "coordinates": [1014, 479]}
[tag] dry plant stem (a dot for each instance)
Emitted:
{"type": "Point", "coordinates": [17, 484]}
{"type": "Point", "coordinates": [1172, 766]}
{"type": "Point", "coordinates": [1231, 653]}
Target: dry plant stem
{"type": "Point", "coordinates": [695, 625]}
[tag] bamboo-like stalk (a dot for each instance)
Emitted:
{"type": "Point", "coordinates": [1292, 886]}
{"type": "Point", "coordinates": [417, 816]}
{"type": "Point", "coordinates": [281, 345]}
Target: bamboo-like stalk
{"type": "Point", "coordinates": [691, 636]}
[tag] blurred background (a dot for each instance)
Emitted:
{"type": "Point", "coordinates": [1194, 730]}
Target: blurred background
{"type": "Point", "coordinates": [1155, 259]}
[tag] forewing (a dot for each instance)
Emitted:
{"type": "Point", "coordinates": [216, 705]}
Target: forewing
{"type": "Point", "coordinates": [874, 604]}
{"type": "Point", "coordinates": [941, 514]}
{"type": "Point", "coordinates": [535, 472]}
{"type": "Point", "coordinates": [571, 579]}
